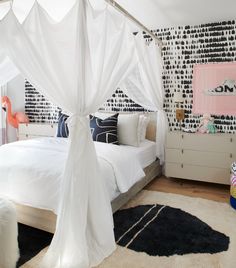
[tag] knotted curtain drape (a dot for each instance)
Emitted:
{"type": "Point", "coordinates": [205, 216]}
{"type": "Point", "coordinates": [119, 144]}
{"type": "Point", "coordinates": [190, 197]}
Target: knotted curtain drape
{"type": "Point", "coordinates": [76, 63]}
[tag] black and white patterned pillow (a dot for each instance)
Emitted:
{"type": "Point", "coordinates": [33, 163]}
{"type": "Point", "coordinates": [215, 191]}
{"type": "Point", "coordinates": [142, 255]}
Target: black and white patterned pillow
{"type": "Point", "coordinates": [62, 128]}
{"type": "Point", "coordinates": [104, 130]}
{"type": "Point", "coordinates": [233, 168]}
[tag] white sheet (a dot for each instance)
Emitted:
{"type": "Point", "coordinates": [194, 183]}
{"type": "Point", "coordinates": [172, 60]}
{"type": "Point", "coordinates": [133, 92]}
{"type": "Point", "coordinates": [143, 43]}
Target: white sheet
{"type": "Point", "coordinates": [146, 152]}
{"type": "Point", "coordinates": [30, 171]}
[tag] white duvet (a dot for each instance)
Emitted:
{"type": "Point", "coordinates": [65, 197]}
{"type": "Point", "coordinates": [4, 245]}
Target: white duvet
{"type": "Point", "coordinates": [31, 171]}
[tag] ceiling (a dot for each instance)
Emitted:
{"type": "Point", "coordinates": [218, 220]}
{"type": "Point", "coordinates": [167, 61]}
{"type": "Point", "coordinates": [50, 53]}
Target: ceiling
{"type": "Point", "coordinates": [167, 13]}
{"type": "Point", "coordinates": [152, 13]}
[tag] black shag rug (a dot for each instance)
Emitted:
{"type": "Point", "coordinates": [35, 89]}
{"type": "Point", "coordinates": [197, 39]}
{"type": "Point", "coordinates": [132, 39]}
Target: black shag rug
{"type": "Point", "coordinates": [165, 231]}
{"type": "Point", "coordinates": [31, 242]}
{"type": "Point", "coordinates": [154, 229]}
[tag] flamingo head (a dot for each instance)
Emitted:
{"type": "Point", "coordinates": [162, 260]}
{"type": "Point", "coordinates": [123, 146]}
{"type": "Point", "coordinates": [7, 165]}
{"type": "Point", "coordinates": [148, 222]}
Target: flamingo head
{"type": "Point", "coordinates": [5, 102]}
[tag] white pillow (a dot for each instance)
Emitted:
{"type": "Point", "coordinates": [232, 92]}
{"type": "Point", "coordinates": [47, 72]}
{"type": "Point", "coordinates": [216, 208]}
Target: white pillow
{"type": "Point", "coordinates": [128, 128]}
{"type": "Point", "coordinates": [143, 123]}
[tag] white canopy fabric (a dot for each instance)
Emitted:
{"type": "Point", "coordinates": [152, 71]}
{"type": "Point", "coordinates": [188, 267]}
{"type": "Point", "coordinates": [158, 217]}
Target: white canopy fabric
{"type": "Point", "coordinates": [8, 71]}
{"type": "Point", "coordinates": [77, 63]}
{"type": "Point", "coordinates": [144, 86]}
{"type": "Point", "coordinates": [154, 14]}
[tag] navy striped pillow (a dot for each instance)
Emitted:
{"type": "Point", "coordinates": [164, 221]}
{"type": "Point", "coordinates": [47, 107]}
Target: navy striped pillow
{"type": "Point", "coordinates": [62, 128]}
{"type": "Point", "coordinates": [104, 130]}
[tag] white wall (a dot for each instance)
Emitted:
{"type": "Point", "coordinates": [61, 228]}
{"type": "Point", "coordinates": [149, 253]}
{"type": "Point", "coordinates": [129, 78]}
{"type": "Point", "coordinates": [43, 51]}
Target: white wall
{"type": "Point", "coordinates": [16, 93]}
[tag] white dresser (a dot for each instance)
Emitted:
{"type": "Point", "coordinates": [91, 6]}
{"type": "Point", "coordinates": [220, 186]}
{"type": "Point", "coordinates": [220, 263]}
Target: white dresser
{"type": "Point", "coordinates": [36, 130]}
{"type": "Point", "coordinates": [202, 157]}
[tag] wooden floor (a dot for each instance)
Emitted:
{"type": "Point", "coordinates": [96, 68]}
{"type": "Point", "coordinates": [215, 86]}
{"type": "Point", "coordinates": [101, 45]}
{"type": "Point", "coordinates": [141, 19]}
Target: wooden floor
{"type": "Point", "coordinates": [216, 192]}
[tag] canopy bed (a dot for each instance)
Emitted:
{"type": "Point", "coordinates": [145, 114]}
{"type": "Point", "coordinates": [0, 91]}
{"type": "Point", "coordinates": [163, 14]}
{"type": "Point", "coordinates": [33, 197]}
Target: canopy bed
{"type": "Point", "coordinates": [34, 182]}
{"type": "Point", "coordinates": [77, 63]}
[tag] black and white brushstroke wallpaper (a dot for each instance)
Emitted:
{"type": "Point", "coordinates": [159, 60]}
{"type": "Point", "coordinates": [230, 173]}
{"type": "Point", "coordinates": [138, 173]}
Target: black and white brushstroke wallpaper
{"type": "Point", "coordinates": [120, 102]}
{"type": "Point", "coordinates": [38, 108]}
{"type": "Point", "coordinates": [184, 47]}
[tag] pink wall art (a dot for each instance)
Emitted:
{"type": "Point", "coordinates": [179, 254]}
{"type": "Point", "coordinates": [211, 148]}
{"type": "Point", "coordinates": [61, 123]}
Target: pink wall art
{"type": "Point", "coordinates": [214, 88]}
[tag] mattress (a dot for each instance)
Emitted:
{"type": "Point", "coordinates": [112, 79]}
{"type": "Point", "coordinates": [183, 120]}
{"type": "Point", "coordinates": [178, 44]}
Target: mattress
{"type": "Point", "coordinates": [31, 171]}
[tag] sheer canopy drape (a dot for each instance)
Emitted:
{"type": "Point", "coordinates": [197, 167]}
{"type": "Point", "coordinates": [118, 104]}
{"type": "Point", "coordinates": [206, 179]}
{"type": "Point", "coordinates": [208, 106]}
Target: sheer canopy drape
{"type": "Point", "coordinates": [76, 64]}
{"type": "Point", "coordinates": [7, 70]}
{"type": "Point", "coordinates": [144, 86]}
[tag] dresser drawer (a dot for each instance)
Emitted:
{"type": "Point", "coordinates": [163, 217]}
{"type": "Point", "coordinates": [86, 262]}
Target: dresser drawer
{"type": "Point", "coordinates": [27, 137]}
{"type": "Point", "coordinates": [32, 129]}
{"type": "Point", "coordinates": [202, 142]}
{"type": "Point", "coordinates": [199, 173]}
{"type": "Point", "coordinates": [200, 158]}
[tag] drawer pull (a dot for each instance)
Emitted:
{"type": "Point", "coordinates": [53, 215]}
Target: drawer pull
{"type": "Point", "coordinates": [182, 136]}
{"type": "Point", "coordinates": [231, 139]}
{"type": "Point", "coordinates": [182, 165]}
{"type": "Point", "coordinates": [182, 151]}
{"type": "Point", "coordinates": [26, 135]}
{"type": "Point", "coordinates": [231, 155]}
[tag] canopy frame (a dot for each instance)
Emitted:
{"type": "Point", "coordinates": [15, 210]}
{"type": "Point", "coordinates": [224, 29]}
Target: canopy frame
{"type": "Point", "coordinates": [136, 21]}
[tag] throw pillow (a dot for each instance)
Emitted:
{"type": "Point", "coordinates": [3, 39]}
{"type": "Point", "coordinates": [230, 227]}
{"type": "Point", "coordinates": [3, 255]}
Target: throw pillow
{"type": "Point", "coordinates": [104, 130]}
{"type": "Point", "coordinates": [62, 128]}
{"type": "Point", "coordinates": [128, 128]}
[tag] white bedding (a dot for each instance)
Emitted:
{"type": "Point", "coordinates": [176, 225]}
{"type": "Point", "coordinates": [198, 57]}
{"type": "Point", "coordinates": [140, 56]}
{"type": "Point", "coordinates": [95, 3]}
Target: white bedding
{"type": "Point", "coordinates": [30, 171]}
{"type": "Point", "coordinates": [146, 152]}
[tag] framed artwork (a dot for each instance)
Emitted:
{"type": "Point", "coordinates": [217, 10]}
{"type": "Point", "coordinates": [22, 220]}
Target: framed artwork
{"type": "Point", "coordinates": [214, 88]}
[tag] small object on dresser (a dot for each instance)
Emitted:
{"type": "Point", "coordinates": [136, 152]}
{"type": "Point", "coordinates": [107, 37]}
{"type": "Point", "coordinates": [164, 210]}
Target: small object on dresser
{"type": "Point", "coordinates": [179, 112]}
{"type": "Point", "coordinates": [189, 130]}
{"type": "Point", "coordinates": [206, 125]}
{"type": "Point", "coordinates": [233, 186]}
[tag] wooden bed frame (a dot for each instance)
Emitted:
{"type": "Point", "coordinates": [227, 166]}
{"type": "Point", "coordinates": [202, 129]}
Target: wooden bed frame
{"type": "Point", "coordinates": [46, 219]}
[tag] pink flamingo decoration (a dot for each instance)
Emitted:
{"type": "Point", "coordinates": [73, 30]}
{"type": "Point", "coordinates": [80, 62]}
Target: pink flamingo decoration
{"type": "Point", "coordinates": [16, 118]}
